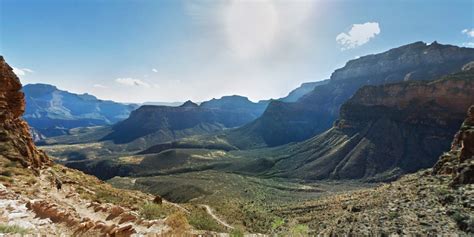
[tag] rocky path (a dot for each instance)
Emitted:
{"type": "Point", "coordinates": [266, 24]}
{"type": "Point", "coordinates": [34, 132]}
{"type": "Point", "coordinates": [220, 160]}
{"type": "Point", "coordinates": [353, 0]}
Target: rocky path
{"type": "Point", "coordinates": [215, 217]}
{"type": "Point", "coordinates": [52, 212]}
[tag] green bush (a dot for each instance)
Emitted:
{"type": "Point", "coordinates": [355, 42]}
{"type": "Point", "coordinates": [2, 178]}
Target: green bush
{"type": "Point", "coordinates": [277, 223]}
{"type": "Point", "coordinates": [236, 233]}
{"type": "Point", "coordinates": [12, 229]}
{"type": "Point", "coordinates": [299, 230]}
{"type": "Point", "coordinates": [152, 211]}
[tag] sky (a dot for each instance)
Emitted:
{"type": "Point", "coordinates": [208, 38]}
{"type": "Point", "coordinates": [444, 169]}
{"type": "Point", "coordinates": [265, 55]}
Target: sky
{"type": "Point", "coordinates": [173, 50]}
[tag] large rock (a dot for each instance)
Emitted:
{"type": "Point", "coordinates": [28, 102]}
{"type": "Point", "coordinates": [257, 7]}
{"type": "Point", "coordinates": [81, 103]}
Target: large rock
{"type": "Point", "coordinates": [16, 143]}
{"type": "Point", "coordinates": [459, 161]}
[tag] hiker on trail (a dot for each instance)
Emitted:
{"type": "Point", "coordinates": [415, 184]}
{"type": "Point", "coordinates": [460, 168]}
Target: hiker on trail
{"type": "Point", "coordinates": [55, 181]}
{"type": "Point", "coordinates": [58, 183]}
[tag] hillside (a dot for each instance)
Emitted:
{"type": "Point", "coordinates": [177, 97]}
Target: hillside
{"type": "Point", "coordinates": [385, 131]}
{"type": "Point", "coordinates": [436, 201]}
{"type": "Point", "coordinates": [52, 112]}
{"type": "Point", "coordinates": [157, 124]}
{"type": "Point", "coordinates": [38, 197]}
{"type": "Point", "coordinates": [315, 112]}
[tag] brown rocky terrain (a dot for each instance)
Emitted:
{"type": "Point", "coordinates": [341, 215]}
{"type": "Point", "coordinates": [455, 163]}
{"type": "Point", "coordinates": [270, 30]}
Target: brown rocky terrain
{"type": "Point", "coordinates": [15, 140]}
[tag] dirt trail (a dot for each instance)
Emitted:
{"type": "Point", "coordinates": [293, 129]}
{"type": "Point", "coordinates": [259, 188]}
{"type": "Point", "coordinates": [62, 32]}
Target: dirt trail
{"type": "Point", "coordinates": [215, 217]}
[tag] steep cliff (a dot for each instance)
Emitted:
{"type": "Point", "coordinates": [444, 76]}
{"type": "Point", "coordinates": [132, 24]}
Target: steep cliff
{"type": "Point", "coordinates": [316, 111]}
{"type": "Point", "coordinates": [384, 131]}
{"type": "Point", "coordinates": [16, 143]}
{"type": "Point", "coordinates": [459, 161]}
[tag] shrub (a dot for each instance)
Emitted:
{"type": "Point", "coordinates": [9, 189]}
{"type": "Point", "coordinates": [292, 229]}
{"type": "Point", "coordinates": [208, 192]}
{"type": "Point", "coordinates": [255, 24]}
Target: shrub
{"type": "Point", "coordinates": [12, 229]}
{"type": "Point", "coordinates": [277, 223]}
{"type": "Point", "coordinates": [152, 211]}
{"type": "Point", "coordinates": [6, 173]}
{"type": "Point", "coordinates": [299, 230]}
{"type": "Point", "coordinates": [236, 233]}
{"type": "Point", "coordinates": [178, 223]}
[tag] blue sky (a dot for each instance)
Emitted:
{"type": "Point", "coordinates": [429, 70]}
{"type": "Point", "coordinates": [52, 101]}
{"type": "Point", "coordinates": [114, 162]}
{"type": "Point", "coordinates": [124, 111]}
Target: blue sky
{"type": "Point", "coordinates": [136, 51]}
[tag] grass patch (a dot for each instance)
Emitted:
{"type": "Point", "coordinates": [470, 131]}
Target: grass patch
{"type": "Point", "coordinates": [13, 229]}
{"type": "Point", "coordinates": [153, 211]}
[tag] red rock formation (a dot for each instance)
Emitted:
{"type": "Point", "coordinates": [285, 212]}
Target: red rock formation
{"type": "Point", "coordinates": [459, 161]}
{"type": "Point", "coordinates": [16, 143]}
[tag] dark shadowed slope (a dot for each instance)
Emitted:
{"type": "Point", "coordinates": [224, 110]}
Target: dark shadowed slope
{"type": "Point", "coordinates": [315, 112]}
{"type": "Point", "coordinates": [383, 132]}
{"type": "Point", "coordinates": [157, 124]}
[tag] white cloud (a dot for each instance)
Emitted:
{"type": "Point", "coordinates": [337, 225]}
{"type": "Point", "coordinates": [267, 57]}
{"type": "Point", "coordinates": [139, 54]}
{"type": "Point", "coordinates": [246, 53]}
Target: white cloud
{"type": "Point", "coordinates": [469, 33]}
{"type": "Point", "coordinates": [99, 86]}
{"type": "Point", "coordinates": [154, 70]}
{"type": "Point", "coordinates": [22, 71]}
{"type": "Point", "coordinates": [358, 35]}
{"type": "Point", "coordinates": [132, 82]}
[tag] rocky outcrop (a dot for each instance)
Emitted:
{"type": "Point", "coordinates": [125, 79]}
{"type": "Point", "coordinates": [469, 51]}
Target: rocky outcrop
{"type": "Point", "coordinates": [385, 131]}
{"type": "Point", "coordinates": [459, 161]}
{"type": "Point", "coordinates": [16, 143]}
{"type": "Point", "coordinates": [316, 111]}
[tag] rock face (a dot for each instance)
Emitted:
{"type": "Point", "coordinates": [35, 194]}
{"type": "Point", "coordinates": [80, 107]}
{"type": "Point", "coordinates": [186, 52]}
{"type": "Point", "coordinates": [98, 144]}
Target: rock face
{"type": "Point", "coordinates": [316, 111]}
{"type": "Point", "coordinates": [16, 143]}
{"type": "Point", "coordinates": [386, 131]}
{"type": "Point", "coordinates": [459, 161]}
{"type": "Point", "coordinates": [52, 112]}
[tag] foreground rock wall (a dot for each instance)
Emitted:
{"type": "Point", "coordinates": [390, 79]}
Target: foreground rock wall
{"type": "Point", "coordinates": [16, 143]}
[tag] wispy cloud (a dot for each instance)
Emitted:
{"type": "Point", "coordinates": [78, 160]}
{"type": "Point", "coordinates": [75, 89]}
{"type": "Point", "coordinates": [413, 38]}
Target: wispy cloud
{"type": "Point", "coordinates": [132, 82]}
{"type": "Point", "coordinates": [468, 32]}
{"type": "Point", "coordinates": [154, 70]}
{"type": "Point", "coordinates": [358, 35]}
{"type": "Point", "coordinates": [22, 71]}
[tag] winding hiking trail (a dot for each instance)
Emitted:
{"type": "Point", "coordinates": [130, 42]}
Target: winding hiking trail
{"type": "Point", "coordinates": [215, 217]}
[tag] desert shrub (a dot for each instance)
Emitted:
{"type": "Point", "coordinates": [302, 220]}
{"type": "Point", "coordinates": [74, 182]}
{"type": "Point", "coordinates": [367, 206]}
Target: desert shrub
{"type": "Point", "coordinates": [393, 215]}
{"type": "Point", "coordinates": [152, 211]}
{"type": "Point", "coordinates": [200, 220]}
{"type": "Point", "coordinates": [104, 196]}
{"type": "Point", "coordinates": [178, 223]}
{"type": "Point", "coordinates": [299, 230]}
{"type": "Point", "coordinates": [12, 229]}
{"type": "Point", "coordinates": [277, 223]}
{"type": "Point", "coordinates": [236, 233]}
{"type": "Point", "coordinates": [6, 173]}
{"type": "Point", "coordinates": [4, 179]}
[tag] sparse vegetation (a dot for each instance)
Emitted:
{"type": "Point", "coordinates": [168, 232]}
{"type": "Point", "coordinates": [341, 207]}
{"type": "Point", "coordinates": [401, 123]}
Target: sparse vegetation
{"type": "Point", "coordinates": [299, 230]}
{"type": "Point", "coordinates": [200, 220]}
{"type": "Point", "coordinates": [12, 229]}
{"type": "Point", "coordinates": [153, 211]}
{"type": "Point", "coordinates": [178, 223]}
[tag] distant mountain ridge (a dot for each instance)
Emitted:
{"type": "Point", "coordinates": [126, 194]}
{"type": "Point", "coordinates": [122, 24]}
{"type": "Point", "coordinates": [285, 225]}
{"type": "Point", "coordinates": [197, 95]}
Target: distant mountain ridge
{"type": "Point", "coordinates": [51, 111]}
{"type": "Point", "coordinates": [164, 123]}
{"type": "Point", "coordinates": [316, 111]}
{"type": "Point", "coordinates": [384, 131]}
